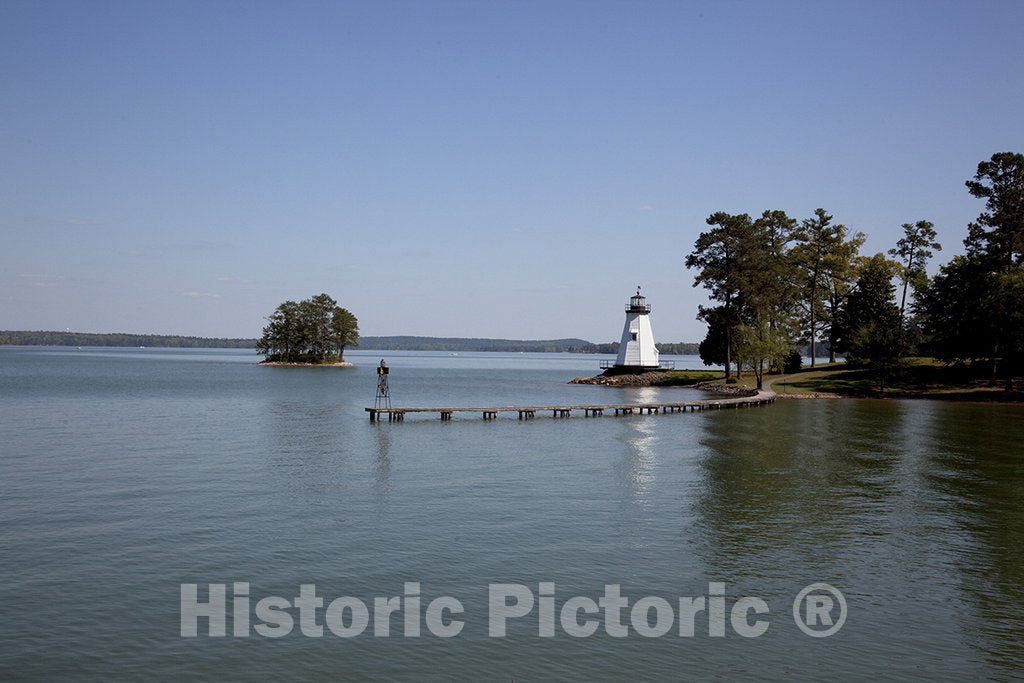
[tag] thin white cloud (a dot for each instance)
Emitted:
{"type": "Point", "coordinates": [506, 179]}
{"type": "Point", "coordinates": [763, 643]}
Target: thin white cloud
{"type": "Point", "coordinates": [200, 295]}
{"type": "Point", "coordinates": [37, 280]}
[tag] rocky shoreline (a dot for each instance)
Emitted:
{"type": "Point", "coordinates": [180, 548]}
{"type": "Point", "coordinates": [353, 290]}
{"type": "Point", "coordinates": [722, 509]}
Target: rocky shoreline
{"type": "Point", "coordinates": [308, 365]}
{"type": "Point", "coordinates": [727, 389]}
{"type": "Point", "coordinates": [643, 379]}
{"type": "Point", "coordinates": [657, 378]}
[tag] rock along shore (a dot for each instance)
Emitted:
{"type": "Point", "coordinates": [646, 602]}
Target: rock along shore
{"type": "Point", "coordinates": [642, 379]}
{"type": "Point", "coordinates": [727, 389]}
{"type": "Point", "coordinates": [308, 365]}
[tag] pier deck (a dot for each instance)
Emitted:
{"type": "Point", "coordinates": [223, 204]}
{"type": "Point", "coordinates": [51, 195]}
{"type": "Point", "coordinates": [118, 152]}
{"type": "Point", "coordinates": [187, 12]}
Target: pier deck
{"type": "Point", "coordinates": [529, 412]}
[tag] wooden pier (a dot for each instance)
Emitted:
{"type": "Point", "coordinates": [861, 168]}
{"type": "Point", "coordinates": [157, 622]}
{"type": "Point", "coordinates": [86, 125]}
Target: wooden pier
{"type": "Point", "coordinates": [529, 412]}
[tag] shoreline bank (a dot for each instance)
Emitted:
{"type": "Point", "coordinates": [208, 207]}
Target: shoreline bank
{"type": "Point", "coordinates": [343, 364]}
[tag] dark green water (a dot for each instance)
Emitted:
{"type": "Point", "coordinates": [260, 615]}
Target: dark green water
{"type": "Point", "coordinates": [126, 473]}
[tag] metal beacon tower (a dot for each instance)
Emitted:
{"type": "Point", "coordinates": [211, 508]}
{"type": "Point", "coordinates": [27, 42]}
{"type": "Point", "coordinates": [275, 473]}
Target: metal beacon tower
{"type": "Point", "coordinates": [383, 399]}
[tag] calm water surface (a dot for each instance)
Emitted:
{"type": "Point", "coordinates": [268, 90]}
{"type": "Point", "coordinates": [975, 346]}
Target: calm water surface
{"type": "Point", "coordinates": [125, 473]}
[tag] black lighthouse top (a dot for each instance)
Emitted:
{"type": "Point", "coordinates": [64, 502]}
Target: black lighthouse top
{"type": "Point", "coordinates": [637, 303]}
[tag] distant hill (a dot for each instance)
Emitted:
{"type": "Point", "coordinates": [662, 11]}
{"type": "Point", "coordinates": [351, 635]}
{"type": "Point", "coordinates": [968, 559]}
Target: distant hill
{"type": "Point", "coordinates": [399, 343]}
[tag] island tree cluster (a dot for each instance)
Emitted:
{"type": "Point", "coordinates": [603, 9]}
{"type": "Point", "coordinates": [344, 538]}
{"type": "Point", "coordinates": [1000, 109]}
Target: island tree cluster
{"type": "Point", "coordinates": [315, 330]}
{"type": "Point", "coordinates": [777, 283]}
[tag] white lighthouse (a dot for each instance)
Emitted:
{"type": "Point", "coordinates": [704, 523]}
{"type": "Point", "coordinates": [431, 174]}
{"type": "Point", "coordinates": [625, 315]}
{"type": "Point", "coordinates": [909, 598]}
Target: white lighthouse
{"type": "Point", "coordinates": [636, 348]}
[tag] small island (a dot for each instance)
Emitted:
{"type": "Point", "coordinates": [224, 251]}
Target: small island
{"type": "Point", "coordinates": [312, 332]}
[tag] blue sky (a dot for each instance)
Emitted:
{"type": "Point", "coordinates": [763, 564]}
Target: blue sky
{"type": "Point", "coordinates": [494, 169]}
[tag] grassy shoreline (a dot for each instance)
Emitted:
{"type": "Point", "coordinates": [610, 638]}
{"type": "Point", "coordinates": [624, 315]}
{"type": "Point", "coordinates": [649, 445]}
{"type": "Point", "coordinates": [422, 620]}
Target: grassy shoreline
{"type": "Point", "coordinates": [920, 378]}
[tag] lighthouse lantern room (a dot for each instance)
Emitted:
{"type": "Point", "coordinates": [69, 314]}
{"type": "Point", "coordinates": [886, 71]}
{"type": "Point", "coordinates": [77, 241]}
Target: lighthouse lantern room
{"type": "Point", "coordinates": [636, 348]}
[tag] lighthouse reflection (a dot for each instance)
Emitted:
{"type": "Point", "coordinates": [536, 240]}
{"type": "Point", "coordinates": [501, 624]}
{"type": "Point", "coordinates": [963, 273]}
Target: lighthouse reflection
{"type": "Point", "coordinates": [638, 467]}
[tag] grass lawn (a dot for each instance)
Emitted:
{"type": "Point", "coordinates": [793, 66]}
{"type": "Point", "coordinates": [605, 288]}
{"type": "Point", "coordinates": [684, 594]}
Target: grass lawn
{"type": "Point", "coordinates": [683, 377]}
{"type": "Point", "coordinates": [920, 377]}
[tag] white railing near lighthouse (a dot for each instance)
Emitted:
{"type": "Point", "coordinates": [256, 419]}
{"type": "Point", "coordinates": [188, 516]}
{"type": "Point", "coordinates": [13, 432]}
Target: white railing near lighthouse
{"type": "Point", "coordinates": [662, 365]}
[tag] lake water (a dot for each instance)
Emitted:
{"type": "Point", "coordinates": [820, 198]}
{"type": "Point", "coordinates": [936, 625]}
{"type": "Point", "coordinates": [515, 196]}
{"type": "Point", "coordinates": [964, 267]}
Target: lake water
{"type": "Point", "coordinates": [125, 473]}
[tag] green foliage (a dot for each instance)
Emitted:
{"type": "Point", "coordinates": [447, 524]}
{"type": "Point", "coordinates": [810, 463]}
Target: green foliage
{"type": "Point", "coordinates": [772, 279]}
{"type": "Point", "coordinates": [774, 271]}
{"type": "Point", "coordinates": [747, 267]}
{"type": "Point", "coordinates": [842, 267]}
{"type": "Point", "coordinates": [759, 345]}
{"type": "Point", "coordinates": [998, 233]}
{"type": "Point", "coordinates": [1005, 303]}
{"type": "Point", "coordinates": [872, 301]}
{"type": "Point", "coordinates": [724, 256]}
{"type": "Point", "coordinates": [712, 349]}
{"type": "Point", "coordinates": [772, 285]}
{"type": "Point", "coordinates": [869, 330]}
{"type": "Point", "coordinates": [914, 249]}
{"type": "Point", "coordinates": [792, 362]}
{"type": "Point", "coordinates": [879, 347]}
{"type": "Point", "coordinates": [954, 326]}
{"type": "Point", "coordinates": [972, 310]}
{"type": "Point", "coordinates": [825, 262]}
{"type": "Point", "coordinates": [315, 330]}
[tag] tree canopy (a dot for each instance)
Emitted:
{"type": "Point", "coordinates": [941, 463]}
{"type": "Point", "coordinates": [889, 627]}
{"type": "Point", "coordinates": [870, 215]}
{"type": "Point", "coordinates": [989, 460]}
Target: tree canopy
{"type": "Point", "coordinates": [998, 233]}
{"type": "Point", "coordinates": [315, 330]}
{"type": "Point", "coordinates": [914, 249]}
{"type": "Point", "coordinates": [777, 283]}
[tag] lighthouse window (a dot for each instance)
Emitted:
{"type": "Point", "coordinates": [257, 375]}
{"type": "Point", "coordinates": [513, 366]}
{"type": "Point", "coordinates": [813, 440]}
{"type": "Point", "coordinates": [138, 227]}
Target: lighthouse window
{"type": "Point", "coordinates": [633, 335]}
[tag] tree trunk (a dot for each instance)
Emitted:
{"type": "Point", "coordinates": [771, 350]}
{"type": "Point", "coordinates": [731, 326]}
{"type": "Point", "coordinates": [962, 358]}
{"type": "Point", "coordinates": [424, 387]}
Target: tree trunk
{"type": "Point", "coordinates": [906, 281]}
{"type": "Point", "coordinates": [814, 296]}
{"type": "Point", "coordinates": [728, 351]}
{"type": "Point", "coordinates": [995, 363]}
{"type": "Point", "coordinates": [903, 301]}
{"type": "Point", "coordinates": [1008, 365]}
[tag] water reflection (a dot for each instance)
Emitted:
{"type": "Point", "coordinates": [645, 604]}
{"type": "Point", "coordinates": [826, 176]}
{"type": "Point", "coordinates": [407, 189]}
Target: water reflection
{"type": "Point", "coordinates": [637, 468]}
{"type": "Point", "coordinates": [976, 476]}
{"type": "Point", "coordinates": [910, 506]}
{"type": "Point", "coordinates": [382, 461]}
{"type": "Point", "coordinates": [308, 457]}
{"type": "Point", "coordinates": [774, 481]}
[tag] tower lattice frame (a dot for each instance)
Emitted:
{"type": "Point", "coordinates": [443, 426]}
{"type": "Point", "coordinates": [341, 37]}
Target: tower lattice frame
{"type": "Point", "coordinates": [383, 399]}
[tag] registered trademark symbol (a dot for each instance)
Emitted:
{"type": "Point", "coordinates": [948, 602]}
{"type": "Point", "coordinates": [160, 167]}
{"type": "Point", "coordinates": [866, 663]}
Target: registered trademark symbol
{"type": "Point", "coordinates": [818, 601]}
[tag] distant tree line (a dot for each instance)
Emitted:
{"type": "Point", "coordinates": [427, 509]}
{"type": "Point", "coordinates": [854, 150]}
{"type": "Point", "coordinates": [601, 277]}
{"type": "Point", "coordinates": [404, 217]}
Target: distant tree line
{"type": "Point", "coordinates": [42, 338]}
{"type": "Point", "coordinates": [454, 344]}
{"type": "Point", "coordinates": [314, 330]}
{"type": "Point", "coordinates": [674, 349]}
{"type": "Point", "coordinates": [777, 283]}
{"type": "Point", "coordinates": [395, 343]}
{"type": "Point", "coordinates": [458, 344]}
